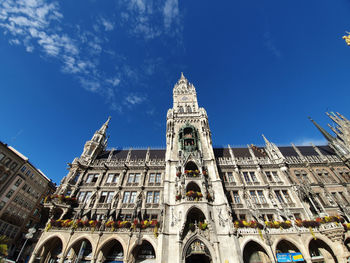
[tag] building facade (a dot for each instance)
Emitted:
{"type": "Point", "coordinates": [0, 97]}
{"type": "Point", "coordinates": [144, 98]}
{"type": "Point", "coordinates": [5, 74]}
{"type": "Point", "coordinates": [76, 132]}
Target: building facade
{"type": "Point", "coordinates": [22, 190]}
{"type": "Point", "coordinates": [191, 202]}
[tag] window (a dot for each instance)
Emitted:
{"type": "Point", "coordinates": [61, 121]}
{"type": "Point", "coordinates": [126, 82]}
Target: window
{"type": "Point", "coordinates": [13, 166]}
{"type": "Point", "coordinates": [253, 176]}
{"type": "Point", "coordinates": [2, 204]}
{"type": "Point", "coordinates": [76, 177]}
{"type": "Point", "coordinates": [10, 193]}
{"type": "Point", "coordinates": [254, 198]}
{"type": "Point", "coordinates": [18, 182]}
{"type": "Point", "coordinates": [129, 197]}
{"type": "Point", "coordinates": [103, 197]}
{"type": "Point", "coordinates": [87, 197]}
{"type": "Point", "coordinates": [246, 177]}
{"type": "Point", "coordinates": [287, 196]}
{"type": "Point", "coordinates": [112, 178]}
{"type": "Point", "coordinates": [156, 197]}
{"type": "Point", "coordinates": [230, 177]}
{"type": "Point", "coordinates": [151, 178]}
{"type": "Point", "coordinates": [7, 161]}
{"type": "Point", "coordinates": [28, 173]}
{"type": "Point", "coordinates": [126, 197]}
{"type": "Point", "coordinates": [23, 169]}
{"type": "Point", "coordinates": [158, 178]}
{"type": "Point", "coordinates": [131, 178]}
{"type": "Point", "coordinates": [152, 197]}
{"type": "Point", "coordinates": [236, 198]}
{"type": "Point", "coordinates": [272, 176]}
{"type": "Point", "coordinates": [134, 178]}
{"type": "Point", "coordinates": [92, 178]}
{"type": "Point", "coordinates": [132, 197]}
{"type": "Point", "coordinates": [249, 177]}
{"type": "Point", "coordinates": [261, 197]}
{"type": "Point", "coordinates": [81, 197]}
{"type": "Point", "coordinates": [2, 156]}
{"type": "Point", "coordinates": [275, 176]}
{"type": "Point", "coordinates": [109, 197]}
{"type": "Point", "coordinates": [279, 197]}
{"type": "Point", "coordinates": [149, 197]}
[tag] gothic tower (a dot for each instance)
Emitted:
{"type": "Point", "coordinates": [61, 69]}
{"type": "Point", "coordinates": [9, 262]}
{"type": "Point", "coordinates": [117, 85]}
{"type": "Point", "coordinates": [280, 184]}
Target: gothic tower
{"type": "Point", "coordinates": [194, 199]}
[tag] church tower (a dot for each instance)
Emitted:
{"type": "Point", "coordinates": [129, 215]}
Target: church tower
{"type": "Point", "coordinates": [198, 219]}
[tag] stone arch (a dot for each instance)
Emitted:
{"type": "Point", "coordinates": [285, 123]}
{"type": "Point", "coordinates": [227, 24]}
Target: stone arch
{"type": "Point", "coordinates": [141, 251]}
{"type": "Point", "coordinates": [193, 239]}
{"type": "Point", "coordinates": [83, 243]}
{"type": "Point", "coordinates": [191, 165]}
{"type": "Point", "coordinates": [112, 250]}
{"type": "Point", "coordinates": [50, 250]}
{"type": "Point", "coordinates": [319, 249]}
{"type": "Point", "coordinates": [254, 252]}
{"type": "Point", "coordinates": [193, 186]}
{"type": "Point", "coordinates": [285, 245]}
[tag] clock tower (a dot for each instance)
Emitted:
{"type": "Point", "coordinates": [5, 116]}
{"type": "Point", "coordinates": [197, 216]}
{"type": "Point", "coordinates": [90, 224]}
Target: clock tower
{"type": "Point", "coordinates": [196, 208]}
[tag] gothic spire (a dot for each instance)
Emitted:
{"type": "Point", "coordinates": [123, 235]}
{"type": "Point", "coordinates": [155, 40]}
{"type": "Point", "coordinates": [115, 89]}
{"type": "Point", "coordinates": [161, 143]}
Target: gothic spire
{"type": "Point", "coordinates": [104, 127]}
{"type": "Point", "coordinates": [329, 137]}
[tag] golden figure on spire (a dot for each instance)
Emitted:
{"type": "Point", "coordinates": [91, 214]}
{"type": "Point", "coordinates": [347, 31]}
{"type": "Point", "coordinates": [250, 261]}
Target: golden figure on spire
{"type": "Point", "coordinates": [347, 38]}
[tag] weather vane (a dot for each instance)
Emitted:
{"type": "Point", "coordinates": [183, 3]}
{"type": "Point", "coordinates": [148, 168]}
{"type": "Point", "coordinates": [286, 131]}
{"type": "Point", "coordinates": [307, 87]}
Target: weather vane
{"type": "Point", "coordinates": [347, 38]}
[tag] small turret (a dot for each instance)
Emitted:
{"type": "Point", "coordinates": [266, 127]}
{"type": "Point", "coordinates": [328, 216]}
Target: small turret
{"type": "Point", "coordinates": [97, 143]}
{"type": "Point", "coordinates": [272, 151]}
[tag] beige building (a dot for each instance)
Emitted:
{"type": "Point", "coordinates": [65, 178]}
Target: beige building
{"type": "Point", "coordinates": [191, 202]}
{"type": "Point", "coordinates": [22, 189]}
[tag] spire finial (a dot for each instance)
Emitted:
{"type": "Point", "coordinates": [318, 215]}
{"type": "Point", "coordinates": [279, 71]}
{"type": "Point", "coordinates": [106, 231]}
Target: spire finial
{"type": "Point", "coordinates": [323, 131]}
{"type": "Point", "coordinates": [182, 76]}
{"type": "Point", "coordinates": [266, 141]}
{"type": "Point", "coordinates": [105, 126]}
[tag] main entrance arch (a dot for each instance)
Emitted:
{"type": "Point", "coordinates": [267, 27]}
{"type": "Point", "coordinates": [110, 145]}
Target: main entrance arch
{"type": "Point", "coordinates": [50, 252]}
{"type": "Point", "coordinates": [197, 252]}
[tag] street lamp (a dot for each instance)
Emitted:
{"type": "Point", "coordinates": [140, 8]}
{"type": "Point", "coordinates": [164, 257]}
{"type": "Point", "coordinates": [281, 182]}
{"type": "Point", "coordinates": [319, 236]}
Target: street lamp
{"type": "Point", "coordinates": [28, 236]}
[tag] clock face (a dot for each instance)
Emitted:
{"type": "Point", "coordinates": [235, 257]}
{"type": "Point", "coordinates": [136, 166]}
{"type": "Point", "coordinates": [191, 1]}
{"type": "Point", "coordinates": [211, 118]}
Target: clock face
{"type": "Point", "coordinates": [184, 98]}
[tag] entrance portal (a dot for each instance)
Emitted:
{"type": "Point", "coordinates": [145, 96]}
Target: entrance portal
{"type": "Point", "coordinates": [197, 252]}
{"type": "Point", "coordinates": [198, 258]}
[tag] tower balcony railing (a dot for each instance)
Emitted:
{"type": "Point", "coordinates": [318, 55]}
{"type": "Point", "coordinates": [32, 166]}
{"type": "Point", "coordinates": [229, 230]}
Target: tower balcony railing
{"type": "Point", "coordinates": [294, 229]}
{"type": "Point", "coordinates": [103, 226]}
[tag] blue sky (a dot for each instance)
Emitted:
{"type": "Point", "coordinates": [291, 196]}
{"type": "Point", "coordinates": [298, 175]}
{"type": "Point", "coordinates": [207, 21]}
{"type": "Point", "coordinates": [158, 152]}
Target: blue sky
{"type": "Point", "coordinates": [258, 67]}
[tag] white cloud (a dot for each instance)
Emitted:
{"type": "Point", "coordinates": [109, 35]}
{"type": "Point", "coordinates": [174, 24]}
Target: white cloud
{"type": "Point", "coordinates": [270, 45]}
{"type": "Point", "coordinates": [170, 12]}
{"type": "Point", "coordinates": [308, 141]}
{"type": "Point", "coordinates": [38, 26]}
{"type": "Point", "coordinates": [114, 81]}
{"type": "Point", "coordinates": [134, 99]}
{"type": "Point", "coordinates": [108, 25]}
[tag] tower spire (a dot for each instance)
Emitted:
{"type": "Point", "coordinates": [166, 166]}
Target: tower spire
{"type": "Point", "coordinates": [329, 137]}
{"type": "Point", "coordinates": [104, 127]}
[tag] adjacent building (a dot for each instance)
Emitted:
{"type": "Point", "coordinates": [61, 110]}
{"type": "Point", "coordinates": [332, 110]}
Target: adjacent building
{"type": "Point", "coordinates": [191, 202]}
{"type": "Point", "coordinates": [22, 190]}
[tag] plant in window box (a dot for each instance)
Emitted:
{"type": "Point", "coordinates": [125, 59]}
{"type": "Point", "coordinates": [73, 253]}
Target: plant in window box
{"type": "Point", "coordinates": [310, 223]}
{"type": "Point", "coordinates": [202, 225]}
{"type": "Point", "coordinates": [204, 172]}
{"type": "Point", "coordinates": [178, 174]}
{"type": "Point", "coordinates": [346, 226]}
{"type": "Point", "coordinates": [191, 226]}
{"type": "Point", "coordinates": [110, 224]}
{"type": "Point", "coordinates": [154, 223]}
{"type": "Point", "coordinates": [178, 197]}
